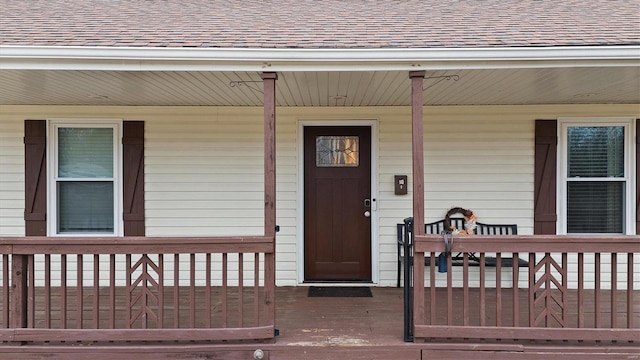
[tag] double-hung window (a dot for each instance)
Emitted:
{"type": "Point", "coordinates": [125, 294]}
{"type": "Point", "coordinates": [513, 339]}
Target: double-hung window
{"type": "Point", "coordinates": [596, 184]}
{"type": "Point", "coordinates": [84, 178]}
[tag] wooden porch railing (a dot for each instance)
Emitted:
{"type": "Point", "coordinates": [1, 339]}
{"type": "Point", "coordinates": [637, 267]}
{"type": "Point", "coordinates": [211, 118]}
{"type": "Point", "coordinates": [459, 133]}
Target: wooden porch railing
{"type": "Point", "coordinates": [593, 297]}
{"type": "Point", "coordinates": [137, 289]}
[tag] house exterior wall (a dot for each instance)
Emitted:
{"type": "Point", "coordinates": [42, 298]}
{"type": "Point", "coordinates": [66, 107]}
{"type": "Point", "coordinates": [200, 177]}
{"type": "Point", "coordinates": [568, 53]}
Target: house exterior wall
{"type": "Point", "coordinates": [204, 167]}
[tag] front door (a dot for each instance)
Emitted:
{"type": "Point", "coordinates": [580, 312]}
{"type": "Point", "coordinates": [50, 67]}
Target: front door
{"type": "Point", "coordinates": [337, 203]}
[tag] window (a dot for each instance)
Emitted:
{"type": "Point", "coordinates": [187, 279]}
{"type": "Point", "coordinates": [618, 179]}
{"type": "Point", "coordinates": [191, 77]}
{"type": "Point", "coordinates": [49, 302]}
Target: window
{"type": "Point", "coordinates": [337, 151]}
{"type": "Point", "coordinates": [595, 169]}
{"type": "Point", "coordinates": [84, 178]}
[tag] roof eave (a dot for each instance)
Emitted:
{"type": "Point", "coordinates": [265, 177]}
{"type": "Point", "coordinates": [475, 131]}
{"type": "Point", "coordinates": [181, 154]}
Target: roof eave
{"type": "Point", "coordinates": [261, 59]}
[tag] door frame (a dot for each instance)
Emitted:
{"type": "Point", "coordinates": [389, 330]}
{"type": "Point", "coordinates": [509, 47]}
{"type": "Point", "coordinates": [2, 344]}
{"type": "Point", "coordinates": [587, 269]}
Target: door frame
{"type": "Point", "coordinates": [373, 124]}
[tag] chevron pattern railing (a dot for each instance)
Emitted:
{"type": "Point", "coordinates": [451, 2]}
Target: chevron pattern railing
{"type": "Point", "coordinates": [137, 289]}
{"type": "Point", "coordinates": [574, 288]}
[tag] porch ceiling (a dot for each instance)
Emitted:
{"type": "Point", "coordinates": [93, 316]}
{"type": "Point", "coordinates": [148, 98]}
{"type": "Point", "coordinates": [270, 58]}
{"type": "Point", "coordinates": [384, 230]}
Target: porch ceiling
{"type": "Point", "coordinates": [566, 85]}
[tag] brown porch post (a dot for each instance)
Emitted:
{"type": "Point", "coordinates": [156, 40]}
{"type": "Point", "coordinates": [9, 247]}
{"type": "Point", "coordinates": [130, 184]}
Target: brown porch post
{"type": "Point", "coordinates": [269, 79]}
{"type": "Point", "coordinates": [417, 78]}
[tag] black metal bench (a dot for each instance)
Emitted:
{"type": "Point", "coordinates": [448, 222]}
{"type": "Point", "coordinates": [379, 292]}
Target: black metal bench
{"type": "Point", "coordinates": [404, 235]}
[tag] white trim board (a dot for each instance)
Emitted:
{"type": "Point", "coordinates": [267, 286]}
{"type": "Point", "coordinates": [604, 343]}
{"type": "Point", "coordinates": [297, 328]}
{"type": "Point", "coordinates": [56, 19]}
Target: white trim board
{"type": "Point", "coordinates": [259, 59]}
{"type": "Point", "coordinates": [375, 243]}
{"type": "Point", "coordinates": [52, 166]}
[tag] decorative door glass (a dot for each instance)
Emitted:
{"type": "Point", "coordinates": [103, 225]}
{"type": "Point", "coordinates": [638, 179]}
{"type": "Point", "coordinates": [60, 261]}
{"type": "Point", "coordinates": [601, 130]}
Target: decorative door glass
{"type": "Point", "coordinates": [337, 151]}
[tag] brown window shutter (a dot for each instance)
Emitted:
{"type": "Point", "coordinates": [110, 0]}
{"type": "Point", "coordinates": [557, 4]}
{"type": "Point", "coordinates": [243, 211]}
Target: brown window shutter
{"type": "Point", "coordinates": [133, 177]}
{"type": "Point", "coordinates": [546, 149]}
{"type": "Point", "coordinates": [637, 176]}
{"type": "Point", "coordinates": [35, 177]}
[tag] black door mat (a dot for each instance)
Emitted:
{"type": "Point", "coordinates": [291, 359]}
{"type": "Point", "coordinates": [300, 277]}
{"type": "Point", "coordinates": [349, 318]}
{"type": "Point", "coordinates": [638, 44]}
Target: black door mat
{"type": "Point", "coordinates": [339, 291]}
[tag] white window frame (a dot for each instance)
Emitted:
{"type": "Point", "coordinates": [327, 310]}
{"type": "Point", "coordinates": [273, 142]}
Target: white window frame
{"type": "Point", "coordinates": [52, 172]}
{"type": "Point", "coordinates": [629, 167]}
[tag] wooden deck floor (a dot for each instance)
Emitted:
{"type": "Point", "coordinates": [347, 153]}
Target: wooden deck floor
{"type": "Point", "coordinates": [323, 328]}
{"type": "Point", "coordinates": [326, 321]}
{"type": "Point", "coordinates": [372, 328]}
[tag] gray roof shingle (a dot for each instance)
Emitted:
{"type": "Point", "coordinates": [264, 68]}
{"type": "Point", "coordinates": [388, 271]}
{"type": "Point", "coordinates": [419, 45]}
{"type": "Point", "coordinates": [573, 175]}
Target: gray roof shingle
{"type": "Point", "coordinates": [338, 24]}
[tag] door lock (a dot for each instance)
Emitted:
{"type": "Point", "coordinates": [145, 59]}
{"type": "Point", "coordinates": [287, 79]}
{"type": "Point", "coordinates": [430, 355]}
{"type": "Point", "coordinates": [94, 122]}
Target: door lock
{"type": "Point", "coordinates": [367, 202]}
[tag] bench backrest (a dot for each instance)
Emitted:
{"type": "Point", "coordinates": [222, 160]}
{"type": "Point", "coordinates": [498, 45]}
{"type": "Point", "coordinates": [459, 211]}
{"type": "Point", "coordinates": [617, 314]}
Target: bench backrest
{"type": "Point", "coordinates": [437, 227]}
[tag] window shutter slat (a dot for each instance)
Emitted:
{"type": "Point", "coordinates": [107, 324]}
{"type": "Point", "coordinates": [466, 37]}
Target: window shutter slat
{"type": "Point", "coordinates": [546, 148]}
{"type": "Point", "coordinates": [35, 177]}
{"type": "Point", "coordinates": [133, 178]}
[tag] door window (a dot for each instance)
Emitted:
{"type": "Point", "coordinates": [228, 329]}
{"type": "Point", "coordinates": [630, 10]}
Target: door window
{"type": "Point", "coordinates": [337, 151]}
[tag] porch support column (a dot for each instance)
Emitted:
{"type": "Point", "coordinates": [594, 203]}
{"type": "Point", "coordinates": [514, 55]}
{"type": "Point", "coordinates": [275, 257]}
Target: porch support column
{"type": "Point", "coordinates": [417, 78]}
{"type": "Point", "coordinates": [269, 79]}
{"type": "Point", "coordinates": [417, 102]}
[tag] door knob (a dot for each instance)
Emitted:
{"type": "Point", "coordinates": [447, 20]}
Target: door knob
{"type": "Point", "coordinates": [367, 214]}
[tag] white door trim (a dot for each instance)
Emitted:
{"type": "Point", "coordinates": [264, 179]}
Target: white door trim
{"type": "Point", "coordinates": [373, 123]}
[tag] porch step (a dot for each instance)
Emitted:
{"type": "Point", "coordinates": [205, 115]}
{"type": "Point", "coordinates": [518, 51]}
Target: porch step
{"type": "Point", "coordinates": [406, 351]}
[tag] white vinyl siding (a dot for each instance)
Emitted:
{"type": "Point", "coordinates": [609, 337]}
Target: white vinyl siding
{"type": "Point", "coordinates": [479, 160]}
{"type": "Point", "coordinates": [204, 168]}
{"type": "Point", "coordinates": [11, 176]}
{"type": "Point", "coordinates": [205, 173]}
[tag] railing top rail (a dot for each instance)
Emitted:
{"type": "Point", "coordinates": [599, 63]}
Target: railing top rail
{"type": "Point", "coordinates": [130, 245]}
{"type": "Point", "coordinates": [530, 243]}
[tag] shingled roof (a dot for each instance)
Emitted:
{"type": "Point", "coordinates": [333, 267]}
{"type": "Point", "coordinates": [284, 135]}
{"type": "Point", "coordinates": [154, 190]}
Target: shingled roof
{"type": "Point", "coordinates": [320, 24]}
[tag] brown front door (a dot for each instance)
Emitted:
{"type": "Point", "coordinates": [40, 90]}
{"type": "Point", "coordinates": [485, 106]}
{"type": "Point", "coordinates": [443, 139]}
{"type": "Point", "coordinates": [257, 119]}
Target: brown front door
{"type": "Point", "coordinates": [337, 203]}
